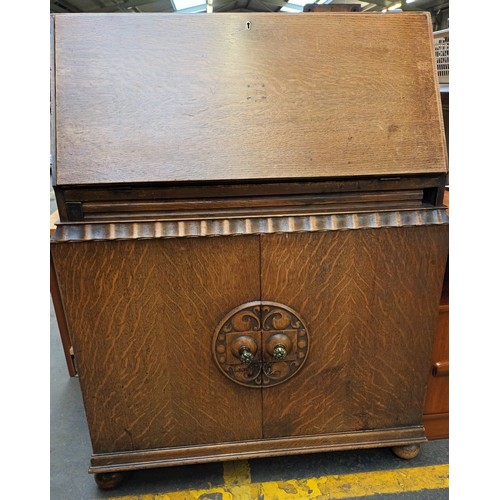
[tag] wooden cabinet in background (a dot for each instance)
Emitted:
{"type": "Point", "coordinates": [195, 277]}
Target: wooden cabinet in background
{"type": "Point", "coordinates": [436, 410]}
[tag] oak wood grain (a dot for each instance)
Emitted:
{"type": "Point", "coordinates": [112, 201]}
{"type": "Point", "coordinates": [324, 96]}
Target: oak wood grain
{"type": "Point", "coordinates": [141, 317]}
{"type": "Point", "coordinates": [155, 97]}
{"type": "Point", "coordinates": [370, 300]}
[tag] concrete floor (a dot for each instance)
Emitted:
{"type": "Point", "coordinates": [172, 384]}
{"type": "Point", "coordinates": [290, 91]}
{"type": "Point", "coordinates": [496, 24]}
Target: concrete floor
{"type": "Point", "coordinates": [70, 451]}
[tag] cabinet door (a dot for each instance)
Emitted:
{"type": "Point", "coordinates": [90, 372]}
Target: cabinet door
{"type": "Point", "coordinates": [369, 299]}
{"type": "Point", "coordinates": [141, 316]}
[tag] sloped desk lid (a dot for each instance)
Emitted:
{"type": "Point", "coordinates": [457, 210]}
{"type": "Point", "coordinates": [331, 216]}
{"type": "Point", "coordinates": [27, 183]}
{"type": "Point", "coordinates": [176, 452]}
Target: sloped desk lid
{"type": "Point", "coordinates": [241, 96]}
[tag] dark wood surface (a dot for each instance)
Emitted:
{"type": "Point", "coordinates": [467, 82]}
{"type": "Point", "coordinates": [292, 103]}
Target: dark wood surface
{"type": "Point", "coordinates": [163, 200]}
{"type": "Point", "coordinates": [371, 320]}
{"type": "Point", "coordinates": [145, 459]}
{"type": "Point", "coordinates": [141, 317]}
{"type": "Point", "coordinates": [154, 97]}
{"type": "Point", "coordinates": [165, 191]}
{"type": "Point", "coordinates": [227, 207]}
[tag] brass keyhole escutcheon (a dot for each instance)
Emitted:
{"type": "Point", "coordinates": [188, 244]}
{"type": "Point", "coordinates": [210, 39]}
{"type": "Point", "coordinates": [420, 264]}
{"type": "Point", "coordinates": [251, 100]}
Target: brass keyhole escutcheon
{"type": "Point", "coordinates": [260, 344]}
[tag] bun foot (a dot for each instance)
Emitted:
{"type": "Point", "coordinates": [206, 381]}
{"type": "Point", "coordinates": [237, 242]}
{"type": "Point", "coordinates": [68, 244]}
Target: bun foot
{"type": "Point", "coordinates": [406, 452]}
{"type": "Point", "coordinates": [109, 480]}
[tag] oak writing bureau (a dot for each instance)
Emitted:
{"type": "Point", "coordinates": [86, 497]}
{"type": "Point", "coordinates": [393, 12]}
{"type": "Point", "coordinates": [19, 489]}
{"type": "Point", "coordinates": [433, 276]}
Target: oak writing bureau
{"type": "Point", "coordinates": [252, 240]}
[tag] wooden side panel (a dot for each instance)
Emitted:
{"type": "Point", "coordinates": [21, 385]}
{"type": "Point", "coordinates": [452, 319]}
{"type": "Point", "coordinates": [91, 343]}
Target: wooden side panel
{"type": "Point", "coordinates": [52, 105]}
{"type": "Point", "coordinates": [141, 315]}
{"type": "Point", "coordinates": [370, 300]}
{"type": "Point", "coordinates": [61, 320]}
{"type": "Point", "coordinates": [233, 96]}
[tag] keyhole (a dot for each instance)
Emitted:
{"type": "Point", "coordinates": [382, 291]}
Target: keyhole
{"type": "Point", "coordinates": [249, 25]}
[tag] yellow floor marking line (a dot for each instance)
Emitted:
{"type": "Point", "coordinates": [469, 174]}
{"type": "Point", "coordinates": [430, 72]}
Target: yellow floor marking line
{"type": "Point", "coordinates": [237, 479]}
{"type": "Point", "coordinates": [237, 472]}
{"type": "Point", "coordinates": [361, 484]}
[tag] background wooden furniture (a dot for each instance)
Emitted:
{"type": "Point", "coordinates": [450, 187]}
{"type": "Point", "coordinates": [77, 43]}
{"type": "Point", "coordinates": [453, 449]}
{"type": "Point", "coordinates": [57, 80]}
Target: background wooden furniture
{"type": "Point", "coordinates": [436, 409]}
{"type": "Point", "coordinates": [312, 329]}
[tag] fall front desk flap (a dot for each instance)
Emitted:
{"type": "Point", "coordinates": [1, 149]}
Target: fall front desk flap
{"type": "Point", "coordinates": [243, 96]}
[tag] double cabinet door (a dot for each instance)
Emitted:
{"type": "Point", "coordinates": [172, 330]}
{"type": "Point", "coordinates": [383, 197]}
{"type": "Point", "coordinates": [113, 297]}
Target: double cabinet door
{"type": "Point", "coordinates": [340, 326]}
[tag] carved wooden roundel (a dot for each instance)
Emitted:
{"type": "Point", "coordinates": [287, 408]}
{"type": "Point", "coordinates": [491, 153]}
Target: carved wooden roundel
{"type": "Point", "coordinates": [260, 344]}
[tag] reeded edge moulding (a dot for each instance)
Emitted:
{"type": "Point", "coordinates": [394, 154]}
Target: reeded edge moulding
{"type": "Point", "coordinates": [192, 228]}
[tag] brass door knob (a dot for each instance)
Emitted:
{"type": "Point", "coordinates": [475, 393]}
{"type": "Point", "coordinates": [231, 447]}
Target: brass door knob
{"type": "Point", "coordinates": [279, 346]}
{"type": "Point", "coordinates": [246, 356]}
{"type": "Point", "coordinates": [279, 352]}
{"type": "Point", "coordinates": [244, 348]}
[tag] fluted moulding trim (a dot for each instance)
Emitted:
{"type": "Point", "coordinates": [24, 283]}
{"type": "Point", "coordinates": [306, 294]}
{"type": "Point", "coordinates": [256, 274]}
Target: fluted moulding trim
{"type": "Point", "coordinates": [195, 228]}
